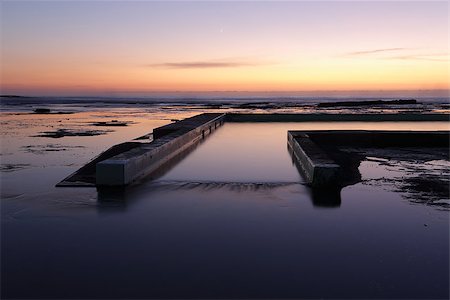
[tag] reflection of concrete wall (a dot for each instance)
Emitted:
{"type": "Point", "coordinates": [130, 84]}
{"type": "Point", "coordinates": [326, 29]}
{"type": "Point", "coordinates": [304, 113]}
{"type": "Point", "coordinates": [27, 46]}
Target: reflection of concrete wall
{"type": "Point", "coordinates": [128, 166]}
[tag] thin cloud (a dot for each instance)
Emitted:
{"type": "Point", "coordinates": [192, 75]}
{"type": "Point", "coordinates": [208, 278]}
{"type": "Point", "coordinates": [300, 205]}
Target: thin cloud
{"type": "Point", "coordinates": [437, 58]}
{"type": "Point", "coordinates": [388, 54]}
{"type": "Point", "coordinates": [204, 64]}
{"type": "Point", "coordinates": [375, 51]}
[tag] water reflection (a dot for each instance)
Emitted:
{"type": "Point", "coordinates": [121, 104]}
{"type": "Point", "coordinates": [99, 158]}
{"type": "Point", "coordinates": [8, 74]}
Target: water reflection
{"type": "Point", "coordinates": [239, 153]}
{"type": "Point", "coordinates": [226, 222]}
{"type": "Point", "coordinates": [107, 195]}
{"type": "Point", "coordinates": [251, 157]}
{"type": "Point", "coordinates": [321, 197]}
{"type": "Point", "coordinates": [117, 199]}
{"type": "Point", "coordinates": [328, 197]}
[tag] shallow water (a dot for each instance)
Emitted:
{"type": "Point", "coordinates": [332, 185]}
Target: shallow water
{"type": "Point", "coordinates": [231, 220]}
{"type": "Point", "coordinates": [257, 152]}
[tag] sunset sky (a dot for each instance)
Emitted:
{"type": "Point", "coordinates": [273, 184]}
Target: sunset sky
{"type": "Point", "coordinates": [97, 47]}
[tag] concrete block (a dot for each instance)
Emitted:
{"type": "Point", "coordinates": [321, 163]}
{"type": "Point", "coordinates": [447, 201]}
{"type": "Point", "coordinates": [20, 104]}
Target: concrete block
{"type": "Point", "coordinates": [170, 141]}
{"type": "Point", "coordinates": [318, 169]}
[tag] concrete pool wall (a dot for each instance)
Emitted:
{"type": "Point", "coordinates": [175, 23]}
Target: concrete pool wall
{"type": "Point", "coordinates": [320, 170]}
{"type": "Point", "coordinates": [327, 117]}
{"type": "Point", "coordinates": [317, 167]}
{"type": "Point", "coordinates": [169, 141]}
{"type": "Point", "coordinates": [172, 139]}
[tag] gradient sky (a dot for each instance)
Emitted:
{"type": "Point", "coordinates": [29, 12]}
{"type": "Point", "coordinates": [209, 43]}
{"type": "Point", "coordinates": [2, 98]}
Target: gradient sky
{"type": "Point", "coordinates": [97, 47]}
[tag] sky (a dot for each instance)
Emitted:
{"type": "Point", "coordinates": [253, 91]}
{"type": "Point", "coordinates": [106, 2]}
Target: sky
{"type": "Point", "coordinates": [104, 47]}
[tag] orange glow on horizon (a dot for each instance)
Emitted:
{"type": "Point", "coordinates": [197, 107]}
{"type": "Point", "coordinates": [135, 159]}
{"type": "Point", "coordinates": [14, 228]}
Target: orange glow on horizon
{"type": "Point", "coordinates": [68, 50]}
{"type": "Point", "coordinates": [300, 76]}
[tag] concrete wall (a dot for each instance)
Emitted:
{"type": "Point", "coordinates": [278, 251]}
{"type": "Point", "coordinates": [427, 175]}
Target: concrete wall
{"type": "Point", "coordinates": [171, 139]}
{"type": "Point", "coordinates": [186, 124]}
{"type": "Point", "coordinates": [237, 117]}
{"type": "Point", "coordinates": [318, 169]}
{"type": "Point", "coordinates": [126, 167]}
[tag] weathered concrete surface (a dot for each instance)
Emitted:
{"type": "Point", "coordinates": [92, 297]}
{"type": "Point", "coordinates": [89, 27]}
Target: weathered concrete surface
{"type": "Point", "coordinates": [238, 117]}
{"type": "Point", "coordinates": [317, 167]}
{"type": "Point", "coordinates": [173, 138]}
{"type": "Point", "coordinates": [169, 141]}
{"type": "Point", "coordinates": [314, 150]}
{"type": "Point", "coordinates": [85, 176]}
{"type": "Point", "coordinates": [189, 124]}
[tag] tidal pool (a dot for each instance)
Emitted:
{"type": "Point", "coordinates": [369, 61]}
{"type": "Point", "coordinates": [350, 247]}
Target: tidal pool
{"type": "Point", "coordinates": [232, 220]}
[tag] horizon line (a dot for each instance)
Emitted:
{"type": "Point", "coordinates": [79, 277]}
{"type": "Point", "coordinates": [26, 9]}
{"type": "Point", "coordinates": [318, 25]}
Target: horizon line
{"type": "Point", "coordinates": [114, 93]}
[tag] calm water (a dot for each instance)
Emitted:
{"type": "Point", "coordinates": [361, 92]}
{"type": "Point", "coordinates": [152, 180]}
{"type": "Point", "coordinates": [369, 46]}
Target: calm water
{"type": "Point", "coordinates": [232, 220]}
